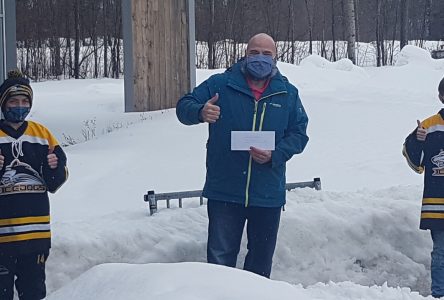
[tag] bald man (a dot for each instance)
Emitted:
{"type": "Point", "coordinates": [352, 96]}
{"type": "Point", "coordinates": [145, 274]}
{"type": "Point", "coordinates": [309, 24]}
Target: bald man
{"type": "Point", "coordinates": [247, 186]}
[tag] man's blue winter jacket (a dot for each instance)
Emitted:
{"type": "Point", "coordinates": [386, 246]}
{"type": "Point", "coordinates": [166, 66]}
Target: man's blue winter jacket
{"type": "Point", "coordinates": [232, 176]}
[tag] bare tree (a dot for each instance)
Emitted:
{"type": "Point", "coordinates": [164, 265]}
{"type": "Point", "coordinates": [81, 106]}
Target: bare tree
{"type": "Point", "coordinates": [77, 39]}
{"type": "Point", "coordinates": [394, 32]}
{"type": "Point", "coordinates": [105, 38]}
{"type": "Point", "coordinates": [378, 33]}
{"type": "Point", "coordinates": [349, 7]}
{"type": "Point", "coordinates": [323, 40]}
{"type": "Point", "coordinates": [309, 6]}
{"type": "Point", "coordinates": [426, 23]}
{"type": "Point", "coordinates": [211, 39]}
{"type": "Point", "coordinates": [404, 23]}
{"type": "Point", "coordinates": [333, 28]}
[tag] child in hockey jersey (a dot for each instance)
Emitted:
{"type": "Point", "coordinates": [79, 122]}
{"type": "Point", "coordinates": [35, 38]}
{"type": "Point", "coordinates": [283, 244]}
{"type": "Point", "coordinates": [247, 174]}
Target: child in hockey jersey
{"type": "Point", "coordinates": [32, 163]}
{"type": "Point", "coordinates": [424, 151]}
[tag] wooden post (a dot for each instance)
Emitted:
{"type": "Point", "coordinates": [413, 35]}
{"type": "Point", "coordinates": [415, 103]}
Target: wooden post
{"type": "Point", "coordinates": [159, 53]}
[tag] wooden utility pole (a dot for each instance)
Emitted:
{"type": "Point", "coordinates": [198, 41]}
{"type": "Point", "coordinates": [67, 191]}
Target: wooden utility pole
{"type": "Point", "coordinates": [159, 51]}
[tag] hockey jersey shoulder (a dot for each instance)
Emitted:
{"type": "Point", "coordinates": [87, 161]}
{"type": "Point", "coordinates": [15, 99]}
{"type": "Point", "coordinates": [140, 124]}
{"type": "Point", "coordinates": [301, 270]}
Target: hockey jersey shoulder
{"type": "Point", "coordinates": [40, 133]}
{"type": "Point", "coordinates": [434, 123]}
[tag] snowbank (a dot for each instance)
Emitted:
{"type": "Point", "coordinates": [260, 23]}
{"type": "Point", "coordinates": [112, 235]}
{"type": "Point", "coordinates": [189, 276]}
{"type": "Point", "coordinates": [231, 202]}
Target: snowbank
{"type": "Point", "coordinates": [194, 281]}
{"type": "Point", "coordinates": [412, 55]}
{"type": "Point", "coordinates": [367, 237]}
{"type": "Point", "coordinates": [320, 62]}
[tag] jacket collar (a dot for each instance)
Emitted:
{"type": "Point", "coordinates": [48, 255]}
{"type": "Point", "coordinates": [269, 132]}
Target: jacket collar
{"type": "Point", "coordinates": [11, 131]}
{"type": "Point", "coordinates": [238, 81]}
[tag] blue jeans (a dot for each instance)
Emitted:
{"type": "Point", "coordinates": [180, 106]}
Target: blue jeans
{"type": "Point", "coordinates": [226, 225]}
{"type": "Point", "coordinates": [437, 266]}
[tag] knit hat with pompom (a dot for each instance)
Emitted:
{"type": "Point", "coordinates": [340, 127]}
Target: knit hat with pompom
{"type": "Point", "coordinates": [16, 84]}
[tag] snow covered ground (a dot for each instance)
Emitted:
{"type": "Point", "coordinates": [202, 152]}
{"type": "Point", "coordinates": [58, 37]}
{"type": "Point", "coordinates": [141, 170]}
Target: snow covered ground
{"type": "Point", "coordinates": [358, 238]}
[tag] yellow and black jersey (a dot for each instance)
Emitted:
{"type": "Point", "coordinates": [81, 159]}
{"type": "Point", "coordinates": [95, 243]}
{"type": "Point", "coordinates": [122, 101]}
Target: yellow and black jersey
{"type": "Point", "coordinates": [428, 157]}
{"type": "Point", "coordinates": [25, 181]}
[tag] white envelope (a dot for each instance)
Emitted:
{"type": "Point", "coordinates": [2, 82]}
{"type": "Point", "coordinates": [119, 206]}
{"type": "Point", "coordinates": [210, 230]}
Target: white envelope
{"type": "Point", "coordinates": [243, 140]}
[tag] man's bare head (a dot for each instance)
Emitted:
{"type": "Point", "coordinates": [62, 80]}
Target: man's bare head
{"type": "Point", "coordinates": [261, 43]}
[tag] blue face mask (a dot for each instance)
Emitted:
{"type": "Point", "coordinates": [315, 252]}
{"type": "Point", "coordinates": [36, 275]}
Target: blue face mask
{"type": "Point", "coordinates": [259, 66]}
{"type": "Point", "coordinates": [16, 114]}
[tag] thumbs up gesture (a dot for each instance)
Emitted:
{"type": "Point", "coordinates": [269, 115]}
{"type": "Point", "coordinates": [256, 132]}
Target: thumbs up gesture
{"type": "Point", "coordinates": [2, 160]}
{"type": "Point", "coordinates": [52, 159]}
{"type": "Point", "coordinates": [210, 112]}
{"type": "Point", "coordinates": [421, 133]}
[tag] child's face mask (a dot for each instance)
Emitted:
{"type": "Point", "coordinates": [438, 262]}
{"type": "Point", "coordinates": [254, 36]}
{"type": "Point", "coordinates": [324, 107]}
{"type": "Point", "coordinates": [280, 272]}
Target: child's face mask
{"type": "Point", "coordinates": [16, 114]}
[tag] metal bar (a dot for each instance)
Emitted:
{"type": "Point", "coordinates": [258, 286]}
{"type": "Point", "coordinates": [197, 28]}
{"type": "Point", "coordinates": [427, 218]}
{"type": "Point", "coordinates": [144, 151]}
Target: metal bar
{"type": "Point", "coordinates": [9, 37]}
{"type": "Point", "coordinates": [177, 195]}
{"type": "Point", "coordinates": [152, 197]}
{"type": "Point", "coordinates": [292, 186]}
{"type": "Point", "coordinates": [191, 43]}
{"type": "Point", "coordinates": [315, 184]}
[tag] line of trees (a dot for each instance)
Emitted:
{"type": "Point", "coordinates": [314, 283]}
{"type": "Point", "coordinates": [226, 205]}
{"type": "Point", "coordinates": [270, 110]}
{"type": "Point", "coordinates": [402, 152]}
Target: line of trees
{"type": "Point", "coordinates": [69, 38]}
{"type": "Point", "coordinates": [83, 38]}
{"type": "Point", "coordinates": [380, 21]}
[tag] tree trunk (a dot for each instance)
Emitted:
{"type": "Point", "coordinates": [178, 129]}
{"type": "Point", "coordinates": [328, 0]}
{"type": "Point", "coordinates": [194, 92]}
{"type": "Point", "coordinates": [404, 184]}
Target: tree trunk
{"type": "Point", "coordinates": [105, 38]}
{"type": "Point", "coordinates": [310, 25]}
{"type": "Point", "coordinates": [323, 42]}
{"type": "Point", "coordinates": [350, 29]}
{"type": "Point", "coordinates": [382, 34]}
{"type": "Point", "coordinates": [70, 63]}
{"type": "Point", "coordinates": [426, 20]}
{"type": "Point", "coordinates": [77, 40]}
{"type": "Point", "coordinates": [333, 28]}
{"type": "Point", "coordinates": [117, 32]}
{"type": "Point", "coordinates": [57, 59]}
{"type": "Point", "coordinates": [394, 32]}
{"type": "Point", "coordinates": [357, 28]}
{"type": "Point", "coordinates": [378, 35]}
{"type": "Point", "coordinates": [292, 27]}
{"type": "Point", "coordinates": [404, 23]}
{"type": "Point", "coordinates": [96, 57]}
{"type": "Point", "coordinates": [105, 56]}
{"type": "Point", "coordinates": [113, 58]}
{"type": "Point", "coordinates": [211, 50]}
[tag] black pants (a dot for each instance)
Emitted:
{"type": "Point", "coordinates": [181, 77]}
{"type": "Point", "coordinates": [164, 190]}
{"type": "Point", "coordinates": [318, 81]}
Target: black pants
{"type": "Point", "coordinates": [225, 229]}
{"type": "Point", "coordinates": [28, 271]}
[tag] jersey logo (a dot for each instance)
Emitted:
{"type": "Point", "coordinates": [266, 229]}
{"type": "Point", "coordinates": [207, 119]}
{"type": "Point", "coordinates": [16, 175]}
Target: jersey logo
{"type": "Point", "coordinates": [438, 161]}
{"type": "Point", "coordinates": [19, 177]}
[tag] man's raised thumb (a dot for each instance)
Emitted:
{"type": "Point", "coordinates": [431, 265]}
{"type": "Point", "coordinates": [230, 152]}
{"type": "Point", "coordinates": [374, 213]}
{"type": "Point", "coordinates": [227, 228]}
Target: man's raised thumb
{"type": "Point", "coordinates": [214, 99]}
{"type": "Point", "coordinates": [419, 123]}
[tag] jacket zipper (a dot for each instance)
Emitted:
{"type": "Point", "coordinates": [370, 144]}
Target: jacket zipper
{"type": "Point", "coordinates": [250, 159]}
{"type": "Point", "coordinates": [261, 123]}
